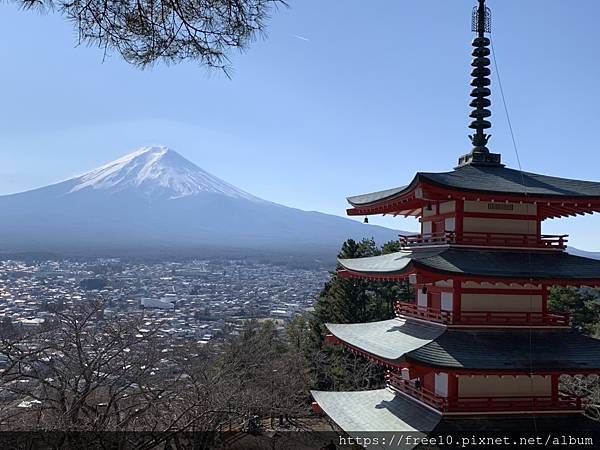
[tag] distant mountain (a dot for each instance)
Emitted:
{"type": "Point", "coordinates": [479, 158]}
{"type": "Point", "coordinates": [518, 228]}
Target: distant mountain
{"type": "Point", "coordinates": [156, 200]}
{"type": "Point", "coordinates": [155, 173]}
{"type": "Point", "coordinates": [584, 253]}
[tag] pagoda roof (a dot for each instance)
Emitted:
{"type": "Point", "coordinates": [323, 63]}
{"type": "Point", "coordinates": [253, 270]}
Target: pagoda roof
{"type": "Point", "coordinates": [396, 341]}
{"type": "Point", "coordinates": [379, 410]}
{"type": "Point", "coordinates": [388, 339]}
{"type": "Point", "coordinates": [492, 180]}
{"type": "Point", "coordinates": [518, 426]}
{"type": "Point", "coordinates": [510, 264]}
{"type": "Point", "coordinates": [511, 350]}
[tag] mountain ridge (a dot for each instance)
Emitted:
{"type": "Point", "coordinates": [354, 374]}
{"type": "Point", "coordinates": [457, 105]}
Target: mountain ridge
{"type": "Point", "coordinates": [154, 198]}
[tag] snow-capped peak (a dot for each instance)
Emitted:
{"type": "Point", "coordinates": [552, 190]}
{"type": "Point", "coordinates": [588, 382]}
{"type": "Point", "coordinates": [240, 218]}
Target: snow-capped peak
{"type": "Point", "coordinates": [156, 171]}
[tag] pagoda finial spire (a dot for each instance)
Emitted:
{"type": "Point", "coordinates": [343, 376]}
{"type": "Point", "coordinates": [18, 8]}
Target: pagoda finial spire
{"type": "Point", "coordinates": [481, 24]}
{"type": "Point", "coordinates": [481, 81]}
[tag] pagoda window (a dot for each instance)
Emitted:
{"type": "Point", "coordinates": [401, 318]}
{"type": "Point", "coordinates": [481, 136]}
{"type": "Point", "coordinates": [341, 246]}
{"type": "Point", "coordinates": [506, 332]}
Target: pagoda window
{"type": "Point", "coordinates": [438, 218]}
{"type": "Point", "coordinates": [447, 207]}
{"type": "Point", "coordinates": [450, 224]}
{"type": "Point", "coordinates": [426, 228]}
{"type": "Point", "coordinates": [438, 296]}
{"type": "Point", "coordinates": [447, 301]}
{"type": "Point", "coordinates": [441, 384]}
{"type": "Point", "coordinates": [422, 297]}
{"type": "Point", "coordinates": [430, 210]}
{"type": "Point", "coordinates": [405, 373]}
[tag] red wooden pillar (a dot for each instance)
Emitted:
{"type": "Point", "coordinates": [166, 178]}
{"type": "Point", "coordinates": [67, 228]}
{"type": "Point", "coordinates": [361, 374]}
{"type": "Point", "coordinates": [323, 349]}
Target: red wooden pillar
{"type": "Point", "coordinates": [554, 382]}
{"type": "Point", "coordinates": [459, 207]}
{"type": "Point", "coordinates": [538, 223]}
{"type": "Point", "coordinates": [456, 304]}
{"type": "Point", "coordinates": [544, 299]}
{"type": "Point", "coordinates": [452, 386]}
{"type": "Point", "coordinates": [428, 381]}
{"type": "Point", "coordinates": [434, 300]}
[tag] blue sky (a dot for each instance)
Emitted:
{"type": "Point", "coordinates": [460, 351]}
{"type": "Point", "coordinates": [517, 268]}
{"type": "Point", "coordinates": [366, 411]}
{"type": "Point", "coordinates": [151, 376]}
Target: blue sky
{"type": "Point", "coordinates": [337, 100]}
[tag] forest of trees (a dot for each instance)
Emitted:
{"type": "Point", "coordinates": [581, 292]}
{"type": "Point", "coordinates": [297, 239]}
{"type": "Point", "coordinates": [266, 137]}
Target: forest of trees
{"type": "Point", "coordinates": [83, 372]}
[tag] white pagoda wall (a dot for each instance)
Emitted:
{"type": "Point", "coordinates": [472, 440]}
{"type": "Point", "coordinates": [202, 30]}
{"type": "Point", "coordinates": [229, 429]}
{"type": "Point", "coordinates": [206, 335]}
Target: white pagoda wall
{"type": "Point", "coordinates": [520, 209]}
{"type": "Point", "coordinates": [447, 207]}
{"type": "Point", "coordinates": [504, 385]}
{"type": "Point", "coordinates": [496, 224]}
{"type": "Point", "coordinates": [485, 225]}
{"type": "Point", "coordinates": [510, 303]}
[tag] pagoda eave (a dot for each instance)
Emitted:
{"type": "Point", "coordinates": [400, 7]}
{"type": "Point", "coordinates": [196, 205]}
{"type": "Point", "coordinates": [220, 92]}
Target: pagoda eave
{"type": "Point", "coordinates": [407, 361]}
{"type": "Point", "coordinates": [386, 340]}
{"type": "Point", "coordinates": [430, 277]}
{"type": "Point", "coordinates": [348, 274]}
{"type": "Point", "coordinates": [385, 411]}
{"type": "Point", "coordinates": [376, 411]}
{"type": "Point", "coordinates": [555, 201]}
{"type": "Point", "coordinates": [397, 342]}
{"type": "Point", "coordinates": [409, 204]}
{"type": "Point", "coordinates": [462, 264]}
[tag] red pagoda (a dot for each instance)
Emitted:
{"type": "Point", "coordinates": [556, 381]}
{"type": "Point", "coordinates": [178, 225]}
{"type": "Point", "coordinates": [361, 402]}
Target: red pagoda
{"type": "Point", "coordinates": [478, 347]}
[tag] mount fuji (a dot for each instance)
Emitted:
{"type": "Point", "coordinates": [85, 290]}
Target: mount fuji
{"type": "Point", "coordinates": [155, 200]}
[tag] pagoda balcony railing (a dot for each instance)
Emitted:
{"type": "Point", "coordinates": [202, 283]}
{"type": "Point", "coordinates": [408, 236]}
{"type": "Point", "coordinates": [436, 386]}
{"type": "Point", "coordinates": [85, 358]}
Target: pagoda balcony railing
{"type": "Point", "coordinates": [437, 402]}
{"type": "Point", "coordinates": [486, 239]}
{"type": "Point", "coordinates": [492, 318]}
{"type": "Point", "coordinates": [483, 404]}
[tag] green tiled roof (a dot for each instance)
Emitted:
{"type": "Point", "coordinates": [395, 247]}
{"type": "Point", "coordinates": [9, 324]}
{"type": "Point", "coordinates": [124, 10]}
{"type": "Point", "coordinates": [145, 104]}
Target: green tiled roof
{"type": "Point", "coordinates": [486, 179]}
{"type": "Point", "coordinates": [520, 426]}
{"type": "Point", "coordinates": [492, 263]}
{"type": "Point", "coordinates": [511, 350]}
{"type": "Point", "coordinates": [398, 340]}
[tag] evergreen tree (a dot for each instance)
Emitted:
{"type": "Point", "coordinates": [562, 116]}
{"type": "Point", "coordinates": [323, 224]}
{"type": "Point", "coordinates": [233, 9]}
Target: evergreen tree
{"type": "Point", "coordinates": [345, 300]}
{"type": "Point", "coordinates": [297, 334]}
{"type": "Point", "coordinates": [583, 304]}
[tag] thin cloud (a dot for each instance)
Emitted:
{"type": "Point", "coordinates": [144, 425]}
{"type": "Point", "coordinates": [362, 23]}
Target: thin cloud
{"type": "Point", "coordinates": [302, 38]}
